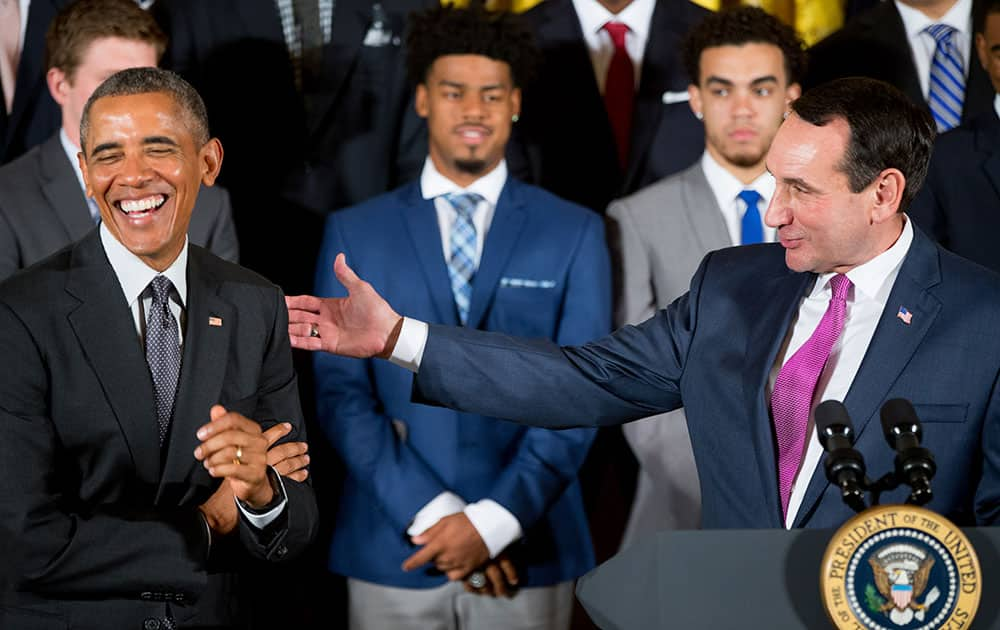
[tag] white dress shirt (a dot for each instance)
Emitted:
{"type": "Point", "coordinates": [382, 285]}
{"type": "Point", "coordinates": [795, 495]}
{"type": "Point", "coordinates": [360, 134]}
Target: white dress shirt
{"type": "Point", "coordinates": [637, 16]}
{"type": "Point", "coordinates": [872, 282]}
{"type": "Point", "coordinates": [495, 524]}
{"type": "Point", "coordinates": [996, 105]}
{"type": "Point", "coordinates": [726, 188]}
{"type": "Point", "coordinates": [865, 303]}
{"type": "Point", "coordinates": [134, 276]}
{"type": "Point", "coordinates": [922, 45]}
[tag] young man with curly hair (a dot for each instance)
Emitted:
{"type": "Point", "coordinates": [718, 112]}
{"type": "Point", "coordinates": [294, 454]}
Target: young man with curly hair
{"type": "Point", "coordinates": [440, 510]}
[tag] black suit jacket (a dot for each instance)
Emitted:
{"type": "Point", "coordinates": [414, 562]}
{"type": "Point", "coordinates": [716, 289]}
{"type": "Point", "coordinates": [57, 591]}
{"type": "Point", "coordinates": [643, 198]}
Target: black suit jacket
{"type": "Point", "coordinates": [563, 141]}
{"type": "Point", "coordinates": [959, 205]}
{"type": "Point", "coordinates": [286, 170]}
{"type": "Point", "coordinates": [34, 115]}
{"type": "Point", "coordinates": [43, 209]}
{"type": "Point", "coordinates": [105, 522]}
{"type": "Point", "coordinates": [874, 44]}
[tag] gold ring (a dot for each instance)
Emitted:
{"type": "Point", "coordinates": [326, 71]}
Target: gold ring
{"type": "Point", "coordinates": [238, 460]}
{"type": "Point", "coordinates": [314, 330]}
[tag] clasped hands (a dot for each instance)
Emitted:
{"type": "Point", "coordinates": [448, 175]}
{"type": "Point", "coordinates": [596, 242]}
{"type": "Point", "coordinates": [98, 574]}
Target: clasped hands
{"type": "Point", "coordinates": [455, 547]}
{"type": "Point", "coordinates": [235, 449]}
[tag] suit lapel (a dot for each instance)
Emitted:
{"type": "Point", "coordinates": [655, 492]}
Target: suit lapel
{"type": "Point", "coordinates": [988, 143]}
{"type": "Point", "coordinates": [890, 349]}
{"type": "Point", "coordinates": [420, 218]}
{"type": "Point", "coordinates": [885, 26]}
{"type": "Point", "coordinates": [771, 322]}
{"type": "Point", "coordinates": [508, 221]}
{"type": "Point", "coordinates": [657, 76]}
{"type": "Point", "coordinates": [62, 189]}
{"type": "Point", "coordinates": [206, 348]}
{"type": "Point", "coordinates": [702, 210]}
{"type": "Point", "coordinates": [350, 21]}
{"type": "Point", "coordinates": [29, 83]}
{"type": "Point", "coordinates": [106, 332]}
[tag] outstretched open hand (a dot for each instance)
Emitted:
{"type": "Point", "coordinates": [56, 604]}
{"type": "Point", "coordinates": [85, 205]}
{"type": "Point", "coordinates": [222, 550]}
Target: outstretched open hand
{"type": "Point", "coordinates": [359, 325]}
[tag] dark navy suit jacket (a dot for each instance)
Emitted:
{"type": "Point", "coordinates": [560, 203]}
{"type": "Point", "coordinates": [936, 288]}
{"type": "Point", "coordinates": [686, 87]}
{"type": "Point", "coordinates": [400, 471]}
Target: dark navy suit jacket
{"type": "Point", "coordinates": [544, 273]}
{"type": "Point", "coordinates": [712, 350]}
{"type": "Point", "coordinates": [959, 204]}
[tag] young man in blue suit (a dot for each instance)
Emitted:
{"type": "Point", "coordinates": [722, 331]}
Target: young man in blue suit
{"type": "Point", "coordinates": [440, 508]}
{"type": "Point", "coordinates": [877, 310]}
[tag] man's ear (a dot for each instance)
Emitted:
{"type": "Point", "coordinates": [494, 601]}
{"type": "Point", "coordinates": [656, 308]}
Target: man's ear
{"type": "Point", "coordinates": [694, 100]}
{"type": "Point", "coordinates": [58, 84]}
{"type": "Point", "coordinates": [792, 92]}
{"type": "Point", "coordinates": [420, 101]}
{"type": "Point", "coordinates": [887, 194]}
{"type": "Point", "coordinates": [210, 158]}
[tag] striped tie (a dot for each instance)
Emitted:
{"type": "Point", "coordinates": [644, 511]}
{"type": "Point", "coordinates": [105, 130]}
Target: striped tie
{"type": "Point", "coordinates": [947, 85]}
{"type": "Point", "coordinates": [462, 263]}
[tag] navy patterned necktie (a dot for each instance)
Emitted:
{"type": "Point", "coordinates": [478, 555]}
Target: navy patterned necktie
{"type": "Point", "coordinates": [946, 94]}
{"type": "Point", "coordinates": [163, 352]}
{"type": "Point", "coordinates": [462, 262]}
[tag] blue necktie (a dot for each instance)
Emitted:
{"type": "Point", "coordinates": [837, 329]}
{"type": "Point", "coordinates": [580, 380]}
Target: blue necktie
{"type": "Point", "coordinates": [163, 352]}
{"type": "Point", "coordinates": [751, 230]}
{"type": "Point", "coordinates": [947, 85]}
{"type": "Point", "coordinates": [462, 263]}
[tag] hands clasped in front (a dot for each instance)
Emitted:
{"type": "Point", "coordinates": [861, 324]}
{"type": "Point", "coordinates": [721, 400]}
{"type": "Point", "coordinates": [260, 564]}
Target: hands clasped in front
{"type": "Point", "coordinates": [235, 449]}
{"type": "Point", "coordinates": [455, 547]}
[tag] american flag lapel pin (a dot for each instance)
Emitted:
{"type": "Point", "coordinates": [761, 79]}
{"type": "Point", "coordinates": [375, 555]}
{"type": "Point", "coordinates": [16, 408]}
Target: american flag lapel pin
{"type": "Point", "coordinates": [905, 315]}
{"type": "Point", "coordinates": [217, 321]}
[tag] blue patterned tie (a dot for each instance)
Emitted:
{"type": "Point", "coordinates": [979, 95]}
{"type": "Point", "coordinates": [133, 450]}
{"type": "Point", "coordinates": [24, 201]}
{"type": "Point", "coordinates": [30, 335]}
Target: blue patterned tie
{"type": "Point", "coordinates": [163, 352]}
{"type": "Point", "coordinates": [462, 264]}
{"type": "Point", "coordinates": [751, 230]}
{"type": "Point", "coordinates": [947, 85]}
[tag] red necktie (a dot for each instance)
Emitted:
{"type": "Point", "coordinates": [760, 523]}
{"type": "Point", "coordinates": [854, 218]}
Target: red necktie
{"type": "Point", "coordinates": [619, 90]}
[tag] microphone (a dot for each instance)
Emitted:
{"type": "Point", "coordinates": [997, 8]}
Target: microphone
{"type": "Point", "coordinates": [844, 465]}
{"type": "Point", "coordinates": [914, 463]}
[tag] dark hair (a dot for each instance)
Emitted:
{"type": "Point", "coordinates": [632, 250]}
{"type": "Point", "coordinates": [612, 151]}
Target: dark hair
{"type": "Point", "coordinates": [887, 130]}
{"type": "Point", "coordinates": [447, 30]}
{"type": "Point", "coordinates": [980, 11]}
{"type": "Point", "coordinates": [739, 26]}
{"type": "Point", "coordinates": [82, 22]}
{"type": "Point", "coordinates": [150, 81]}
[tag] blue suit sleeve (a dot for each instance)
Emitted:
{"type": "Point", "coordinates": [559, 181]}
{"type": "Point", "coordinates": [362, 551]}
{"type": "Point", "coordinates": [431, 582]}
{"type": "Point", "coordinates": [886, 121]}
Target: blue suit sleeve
{"type": "Point", "coordinates": [546, 462]}
{"type": "Point", "coordinates": [352, 417]}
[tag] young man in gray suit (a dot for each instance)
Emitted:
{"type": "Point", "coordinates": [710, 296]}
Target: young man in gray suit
{"type": "Point", "coordinates": [744, 66]}
{"type": "Point", "coordinates": [43, 207]}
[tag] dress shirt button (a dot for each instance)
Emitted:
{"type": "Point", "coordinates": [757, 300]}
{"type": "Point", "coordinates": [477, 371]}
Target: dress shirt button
{"type": "Point", "coordinates": [151, 624]}
{"type": "Point", "coordinates": [146, 596]}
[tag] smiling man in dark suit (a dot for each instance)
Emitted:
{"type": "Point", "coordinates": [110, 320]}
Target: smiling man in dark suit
{"type": "Point", "coordinates": [853, 304]}
{"type": "Point", "coordinates": [135, 481]}
{"type": "Point", "coordinates": [960, 204]}
{"type": "Point", "coordinates": [43, 206]}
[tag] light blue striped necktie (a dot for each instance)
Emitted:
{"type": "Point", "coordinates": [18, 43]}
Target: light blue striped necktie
{"type": "Point", "coordinates": [751, 230]}
{"type": "Point", "coordinates": [462, 263]}
{"type": "Point", "coordinates": [947, 84]}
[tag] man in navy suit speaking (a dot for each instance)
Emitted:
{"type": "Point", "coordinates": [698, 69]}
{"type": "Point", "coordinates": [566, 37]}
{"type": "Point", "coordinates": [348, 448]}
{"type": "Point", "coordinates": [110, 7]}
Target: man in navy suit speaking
{"type": "Point", "coordinates": [437, 502]}
{"type": "Point", "coordinates": [853, 304]}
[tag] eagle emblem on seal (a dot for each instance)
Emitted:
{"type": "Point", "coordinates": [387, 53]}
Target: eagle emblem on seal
{"type": "Point", "coordinates": [901, 573]}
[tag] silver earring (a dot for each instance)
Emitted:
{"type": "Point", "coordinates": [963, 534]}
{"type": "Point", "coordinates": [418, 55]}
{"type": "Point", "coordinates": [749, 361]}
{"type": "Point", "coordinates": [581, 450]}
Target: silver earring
{"type": "Point", "coordinates": [784, 116]}
{"type": "Point", "coordinates": [698, 115]}
{"type": "Point", "coordinates": [515, 118]}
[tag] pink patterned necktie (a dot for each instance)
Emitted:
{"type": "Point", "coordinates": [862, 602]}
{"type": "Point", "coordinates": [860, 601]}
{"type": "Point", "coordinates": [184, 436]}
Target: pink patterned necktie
{"type": "Point", "coordinates": [791, 399]}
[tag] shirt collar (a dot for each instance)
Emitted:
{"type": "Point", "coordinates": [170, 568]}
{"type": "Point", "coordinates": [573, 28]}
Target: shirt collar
{"type": "Point", "coordinates": [874, 278]}
{"type": "Point", "coordinates": [959, 17]}
{"type": "Point", "coordinates": [71, 151]}
{"type": "Point", "coordinates": [726, 186]}
{"type": "Point", "coordinates": [134, 275]}
{"type": "Point", "coordinates": [434, 184]}
{"type": "Point", "coordinates": [637, 16]}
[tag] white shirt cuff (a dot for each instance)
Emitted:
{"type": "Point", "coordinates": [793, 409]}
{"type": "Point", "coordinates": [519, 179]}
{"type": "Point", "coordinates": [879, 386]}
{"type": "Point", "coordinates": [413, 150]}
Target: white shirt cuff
{"type": "Point", "coordinates": [260, 521]}
{"type": "Point", "coordinates": [409, 348]}
{"type": "Point", "coordinates": [444, 504]}
{"type": "Point", "coordinates": [496, 525]}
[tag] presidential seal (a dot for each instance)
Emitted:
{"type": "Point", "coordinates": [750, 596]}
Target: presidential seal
{"type": "Point", "coordinates": [900, 566]}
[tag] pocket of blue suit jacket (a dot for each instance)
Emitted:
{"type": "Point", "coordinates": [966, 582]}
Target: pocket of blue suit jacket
{"type": "Point", "coordinates": [941, 413]}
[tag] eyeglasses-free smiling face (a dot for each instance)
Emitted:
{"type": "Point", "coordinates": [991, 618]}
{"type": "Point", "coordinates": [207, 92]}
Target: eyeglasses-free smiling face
{"type": "Point", "coordinates": [144, 168]}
